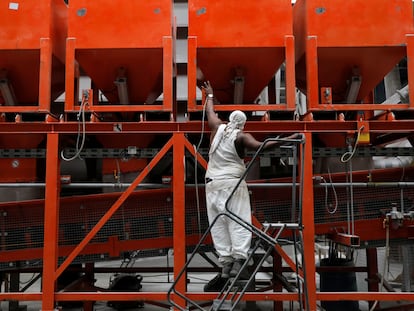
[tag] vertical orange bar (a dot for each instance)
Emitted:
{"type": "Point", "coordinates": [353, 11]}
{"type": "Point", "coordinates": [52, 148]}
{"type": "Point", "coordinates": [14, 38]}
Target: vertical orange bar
{"type": "Point", "coordinates": [410, 65]}
{"type": "Point", "coordinates": [70, 75]}
{"type": "Point", "coordinates": [192, 73]}
{"type": "Point", "coordinates": [45, 74]}
{"type": "Point", "coordinates": [168, 73]}
{"type": "Point", "coordinates": [372, 273]}
{"type": "Point", "coordinates": [312, 72]}
{"type": "Point", "coordinates": [51, 222]}
{"type": "Point", "coordinates": [308, 223]}
{"type": "Point", "coordinates": [290, 72]}
{"type": "Point", "coordinates": [180, 254]}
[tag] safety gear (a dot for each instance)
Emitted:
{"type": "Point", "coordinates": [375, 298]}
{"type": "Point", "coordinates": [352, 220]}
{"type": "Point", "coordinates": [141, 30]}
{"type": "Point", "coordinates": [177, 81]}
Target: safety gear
{"type": "Point", "coordinates": [237, 119]}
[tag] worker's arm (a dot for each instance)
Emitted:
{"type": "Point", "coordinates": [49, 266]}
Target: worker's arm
{"type": "Point", "coordinates": [213, 121]}
{"type": "Point", "coordinates": [249, 142]}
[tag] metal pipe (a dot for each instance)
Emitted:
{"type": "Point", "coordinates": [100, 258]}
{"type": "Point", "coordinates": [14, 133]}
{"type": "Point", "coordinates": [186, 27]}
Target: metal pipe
{"type": "Point", "coordinates": [250, 185]}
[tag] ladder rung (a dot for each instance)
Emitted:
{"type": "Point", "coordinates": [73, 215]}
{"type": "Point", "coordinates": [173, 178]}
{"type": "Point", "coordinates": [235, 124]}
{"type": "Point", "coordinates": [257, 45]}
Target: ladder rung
{"type": "Point", "coordinates": [282, 225]}
{"type": "Point", "coordinates": [225, 305]}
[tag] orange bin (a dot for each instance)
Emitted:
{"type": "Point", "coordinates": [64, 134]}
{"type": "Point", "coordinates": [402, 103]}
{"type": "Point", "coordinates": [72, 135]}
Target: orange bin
{"type": "Point", "coordinates": [32, 46]}
{"type": "Point", "coordinates": [126, 48]}
{"type": "Point", "coordinates": [348, 47]}
{"type": "Point", "coordinates": [239, 46]}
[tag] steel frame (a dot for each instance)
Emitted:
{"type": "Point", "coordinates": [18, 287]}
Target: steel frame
{"type": "Point", "coordinates": [178, 143]}
{"type": "Point", "coordinates": [53, 130]}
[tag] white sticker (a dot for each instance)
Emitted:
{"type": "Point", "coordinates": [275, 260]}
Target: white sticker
{"type": "Point", "coordinates": [13, 6]}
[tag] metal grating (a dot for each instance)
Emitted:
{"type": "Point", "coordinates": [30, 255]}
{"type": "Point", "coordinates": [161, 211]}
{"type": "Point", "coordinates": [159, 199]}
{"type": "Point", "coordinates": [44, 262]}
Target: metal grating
{"type": "Point", "coordinates": [150, 215]}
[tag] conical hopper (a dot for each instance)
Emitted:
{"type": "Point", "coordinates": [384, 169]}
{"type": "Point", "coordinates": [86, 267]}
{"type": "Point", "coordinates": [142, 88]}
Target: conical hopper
{"type": "Point", "coordinates": [348, 39]}
{"type": "Point", "coordinates": [237, 45]}
{"type": "Point", "coordinates": [122, 41]}
{"type": "Point", "coordinates": [32, 45]}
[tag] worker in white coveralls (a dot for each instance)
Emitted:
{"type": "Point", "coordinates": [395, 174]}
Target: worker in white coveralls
{"type": "Point", "coordinates": [225, 167]}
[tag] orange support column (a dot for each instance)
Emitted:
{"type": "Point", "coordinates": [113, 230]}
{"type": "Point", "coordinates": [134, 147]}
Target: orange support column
{"type": "Point", "coordinates": [312, 72]}
{"type": "Point", "coordinates": [410, 65]}
{"type": "Point", "coordinates": [192, 73]}
{"type": "Point", "coordinates": [290, 72]}
{"type": "Point", "coordinates": [51, 223]}
{"type": "Point", "coordinates": [179, 214]}
{"type": "Point", "coordinates": [168, 72]}
{"type": "Point", "coordinates": [70, 74]}
{"type": "Point", "coordinates": [309, 224]}
{"type": "Point", "coordinates": [45, 74]}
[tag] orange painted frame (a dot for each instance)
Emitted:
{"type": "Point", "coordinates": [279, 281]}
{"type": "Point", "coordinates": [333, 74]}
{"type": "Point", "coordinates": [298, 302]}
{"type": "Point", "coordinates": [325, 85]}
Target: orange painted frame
{"type": "Point", "coordinates": [179, 144]}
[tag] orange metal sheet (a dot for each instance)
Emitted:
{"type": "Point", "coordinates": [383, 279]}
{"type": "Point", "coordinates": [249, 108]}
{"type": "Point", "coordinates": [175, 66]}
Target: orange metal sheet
{"type": "Point", "coordinates": [122, 35]}
{"type": "Point", "coordinates": [23, 23]}
{"type": "Point", "coordinates": [366, 34]}
{"type": "Point", "coordinates": [246, 36]}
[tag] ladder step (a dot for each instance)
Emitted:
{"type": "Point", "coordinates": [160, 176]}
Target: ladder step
{"type": "Point", "coordinates": [226, 305]}
{"type": "Point", "coordinates": [282, 225]}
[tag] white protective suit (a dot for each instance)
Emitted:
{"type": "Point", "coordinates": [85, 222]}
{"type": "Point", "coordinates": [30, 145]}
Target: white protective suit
{"type": "Point", "coordinates": [225, 167]}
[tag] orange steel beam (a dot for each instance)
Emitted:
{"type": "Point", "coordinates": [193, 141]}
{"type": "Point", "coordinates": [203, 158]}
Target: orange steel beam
{"type": "Point", "coordinates": [308, 218]}
{"type": "Point", "coordinates": [192, 73]}
{"type": "Point", "coordinates": [290, 72]}
{"type": "Point", "coordinates": [45, 74]}
{"type": "Point", "coordinates": [168, 63]}
{"type": "Point", "coordinates": [180, 252]}
{"type": "Point", "coordinates": [410, 67]}
{"type": "Point", "coordinates": [312, 85]}
{"type": "Point", "coordinates": [71, 75]}
{"type": "Point", "coordinates": [196, 155]}
{"type": "Point", "coordinates": [159, 127]}
{"type": "Point", "coordinates": [249, 296]}
{"type": "Point", "coordinates": [51, 226]}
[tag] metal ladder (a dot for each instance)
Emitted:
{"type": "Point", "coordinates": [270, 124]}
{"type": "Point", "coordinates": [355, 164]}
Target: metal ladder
{"type": "Point", "coordinates": [267, 238]}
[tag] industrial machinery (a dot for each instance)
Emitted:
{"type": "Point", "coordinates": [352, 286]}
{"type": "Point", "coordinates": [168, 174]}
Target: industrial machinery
{"type": "Point", "coordinates": [100, 159]}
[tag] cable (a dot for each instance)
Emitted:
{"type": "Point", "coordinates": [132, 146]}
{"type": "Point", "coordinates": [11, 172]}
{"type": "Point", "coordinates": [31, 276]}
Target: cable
{"type": "Point", "coordinates": [80, 120]}
{"type": "Point", "coordinates": [347, 156]}
{"type": "Point", "coordinates": [387, 253]}
{"type": "Point", "coordinates": [334, 193]}
{"type": "Point", "coordinates": [195, 167]}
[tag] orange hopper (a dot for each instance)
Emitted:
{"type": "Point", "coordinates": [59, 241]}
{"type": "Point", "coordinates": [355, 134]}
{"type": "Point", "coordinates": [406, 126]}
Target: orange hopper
{"type": "Point", "coordinates": [348, 46]}
{"type": "Point", "coordinates": [32, 45]}
{"type": "Point", "coordinates": [125, 47]}
{"type": "Point", "coordinates": [239, 46]}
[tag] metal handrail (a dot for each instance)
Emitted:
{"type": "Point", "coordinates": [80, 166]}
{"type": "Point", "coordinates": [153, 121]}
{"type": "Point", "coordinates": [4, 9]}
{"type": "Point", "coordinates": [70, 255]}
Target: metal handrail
{"type": "Point", "coordinates": [261, 234]}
